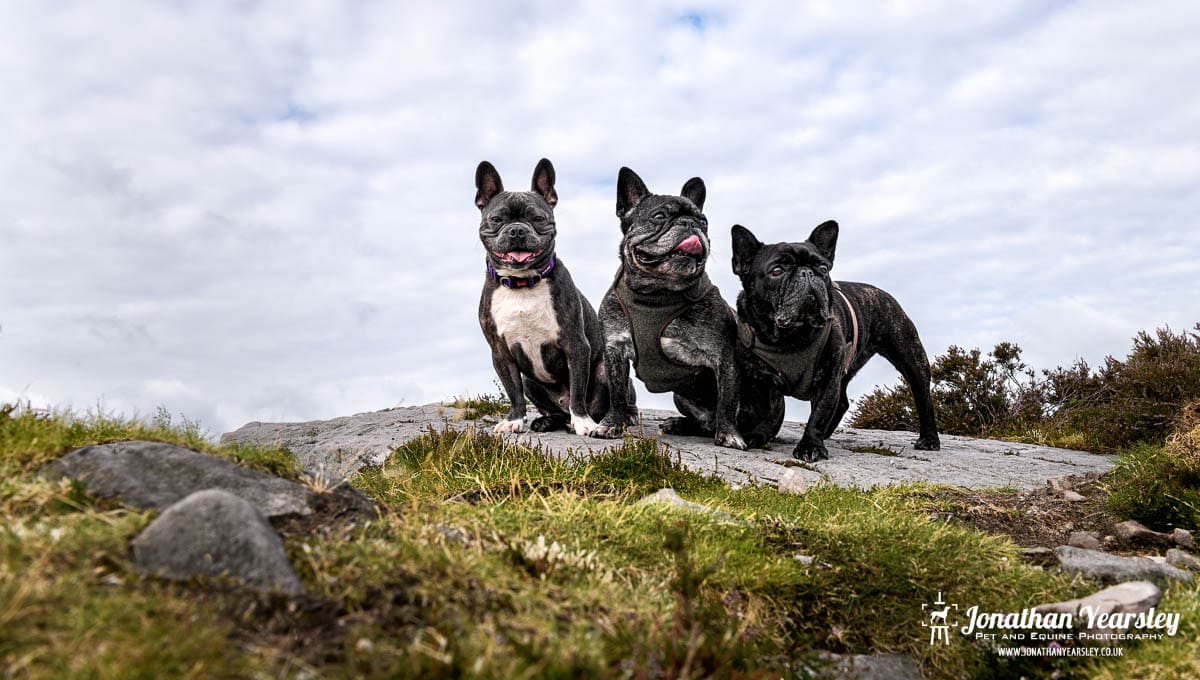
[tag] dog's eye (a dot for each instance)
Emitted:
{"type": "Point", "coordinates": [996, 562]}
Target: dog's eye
{"type": "Point", "coordinates": [659, 215]}
{"type": "Point", "coordinates": [539, 218]}
{"type": "Point", "coordinates": [776, 271]}
{"type": "Point", "coordinates": [495, 219]}
{"type": "Point", "coordinates": [823, 269]}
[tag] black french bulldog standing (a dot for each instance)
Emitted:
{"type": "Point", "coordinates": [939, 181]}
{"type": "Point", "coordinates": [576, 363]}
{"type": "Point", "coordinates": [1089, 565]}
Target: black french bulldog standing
{"type": "Point", "coordinates": [811, 335]}
{"type": "Point", "coordinates": [544, 334]}
{"type": "Point", "coordinates": [663, 314]}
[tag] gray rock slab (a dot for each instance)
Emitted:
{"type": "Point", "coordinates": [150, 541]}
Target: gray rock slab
{"type": "Point", "coordinates": [870, 667]}
{"type": "Point", "coordinates": [1096, 564]}
{"type": "Point", "coordinates": [145, 474]}
{"type": "Point", "coordinates": [215, 533]}
{"type": "Point", "coordinates": [344, 444]}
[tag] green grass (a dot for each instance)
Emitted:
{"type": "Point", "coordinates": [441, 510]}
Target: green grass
{"type": "Point", "coordinates": [493, 560]}
{"type": "Point", "coordinates": [1159, 484]}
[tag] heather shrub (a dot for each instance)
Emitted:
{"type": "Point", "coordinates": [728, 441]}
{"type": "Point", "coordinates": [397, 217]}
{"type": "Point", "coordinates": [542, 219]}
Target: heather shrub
{"type": "Point", "coordinates": [1138, 399]}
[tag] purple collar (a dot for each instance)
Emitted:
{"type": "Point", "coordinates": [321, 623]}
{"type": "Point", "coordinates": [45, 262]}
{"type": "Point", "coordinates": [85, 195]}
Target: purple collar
{"type": "Point", "coordinates": [520, 281]}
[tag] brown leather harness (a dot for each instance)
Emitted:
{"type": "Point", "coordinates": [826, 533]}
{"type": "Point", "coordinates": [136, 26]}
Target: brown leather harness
{"type": "Point", "coordinates": [798, 366]}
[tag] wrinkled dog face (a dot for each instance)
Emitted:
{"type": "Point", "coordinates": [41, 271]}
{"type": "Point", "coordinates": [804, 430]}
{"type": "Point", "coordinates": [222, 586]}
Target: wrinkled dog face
{"type": "Point", "coordinates": [665, 237]}
{"type": "Point", "coordinates": [787, 284]}
{"type": "Point", "coordinates": [516, 227]}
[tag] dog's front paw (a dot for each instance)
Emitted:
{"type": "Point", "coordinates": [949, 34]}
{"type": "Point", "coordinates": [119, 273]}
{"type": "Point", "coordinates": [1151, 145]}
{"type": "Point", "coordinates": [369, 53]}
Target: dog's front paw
{"type": "Point", "coordinates": [548, 423]}
{"type": "Point", "coordinates": [680, 425]}
{"type": "Point", "coordinates": [584, 426]}
{"type": "Point", "coordinates": [516, 425]}
{"type": "Point", "coordinates": [928, 443]}
{"type": "Point", "coordinates": [609, 428]}
{"type": "Point", "coordinates": [730, 440]}
{"type": "Point", "coordinates": [810, 452]}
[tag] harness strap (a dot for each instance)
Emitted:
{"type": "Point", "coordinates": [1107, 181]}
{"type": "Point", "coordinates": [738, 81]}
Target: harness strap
{"type": "Point", "coordinates": [852, 345]}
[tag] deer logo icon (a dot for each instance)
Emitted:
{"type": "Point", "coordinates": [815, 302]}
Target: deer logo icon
{"type": "Point", "coordinates": [939, 624]}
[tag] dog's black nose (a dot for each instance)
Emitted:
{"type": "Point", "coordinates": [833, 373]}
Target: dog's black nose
{"type": "Point", "coordinates": [518, 230]}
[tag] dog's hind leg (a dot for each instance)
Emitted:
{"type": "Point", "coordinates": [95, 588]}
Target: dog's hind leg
{"type": "Point", "coordinates": [552, 406]}
{"type": "Point", "coordinates": [696, 421]}
{"type": "Point", "coordinates": [907, 354]}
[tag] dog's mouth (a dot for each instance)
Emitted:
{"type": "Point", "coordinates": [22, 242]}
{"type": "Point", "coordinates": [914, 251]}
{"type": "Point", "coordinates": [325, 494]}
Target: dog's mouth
{"type": "Point", "coordinates": [690, 252]}
{"type": "Point", "coordinates": [518, 256]}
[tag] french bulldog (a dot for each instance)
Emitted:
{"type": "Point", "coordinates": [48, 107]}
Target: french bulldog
{"type": "Point", "coordinates": [811, 335]}
{"type": "Point", "coordinates": [544, 334]}
{"type": "Point", "coordinates": [664, 314]}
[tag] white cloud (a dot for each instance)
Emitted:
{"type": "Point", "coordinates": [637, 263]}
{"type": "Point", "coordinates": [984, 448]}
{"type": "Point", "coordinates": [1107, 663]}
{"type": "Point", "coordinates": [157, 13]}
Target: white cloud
{"type": "Point", "coordinates": [245, 212]}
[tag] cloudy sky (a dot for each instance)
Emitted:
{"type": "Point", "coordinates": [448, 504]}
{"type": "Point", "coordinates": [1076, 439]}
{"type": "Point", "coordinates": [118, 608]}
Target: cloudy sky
{"type": "Point", "coordinates": [264, 211]}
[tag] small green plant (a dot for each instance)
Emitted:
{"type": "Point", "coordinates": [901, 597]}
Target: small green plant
{"type": "Point", "coordinates": [482, 405]}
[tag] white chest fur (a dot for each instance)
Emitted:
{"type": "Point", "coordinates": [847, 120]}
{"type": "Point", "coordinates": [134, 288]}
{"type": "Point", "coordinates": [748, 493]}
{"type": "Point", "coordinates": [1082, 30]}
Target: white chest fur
{"type": "Point", "coordinates": [525, 317]}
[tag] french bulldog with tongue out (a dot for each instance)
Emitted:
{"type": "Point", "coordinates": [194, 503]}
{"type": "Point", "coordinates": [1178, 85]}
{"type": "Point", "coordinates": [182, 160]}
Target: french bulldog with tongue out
{"type": "Point", "coordinates": [663, 314]}
{"type": "Point", "coordinates": [544, 335]}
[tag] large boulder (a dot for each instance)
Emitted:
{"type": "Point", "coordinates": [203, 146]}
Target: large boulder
{"type": "Point", "coordinates": [216, 533]}
{"type": "Point", "coordinates": [145, 474]}
{"type": "Point", "coordinates": [857, 458]}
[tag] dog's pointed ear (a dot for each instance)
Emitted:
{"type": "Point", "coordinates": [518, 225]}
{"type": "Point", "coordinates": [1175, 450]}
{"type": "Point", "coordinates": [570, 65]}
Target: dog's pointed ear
{"type": "Point", "coordinates": [745, 247]}
{"type": "Point", "coordinates": [543, 181]}
{"type": "Point", "coordinates": [824, 237]}
{"type": "Point", "coordinates": [693, 190]}
{"type": "Point", "coordinates": [487, 184]}
{"type": "Point", "coordinates": [630, 191]}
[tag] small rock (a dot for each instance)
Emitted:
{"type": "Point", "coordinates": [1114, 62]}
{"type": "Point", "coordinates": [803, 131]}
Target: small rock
{"type": "Point", "coordinates": [211, 533]}
{"type": "Point", "coordinates": [1132, 530]}
{"type": "Point", "coordinates": [1182, 559]}
{"type": "Point", "coordinates": [1089, 540]}
{"type": "Point", "coordinates": [1073, 497]}
{"type": "Point", "coordinates": [1133, 597]}
{"type": "Point", "coordinates": [670, 497]}
{"type": "Point", "coordinates": [791, 481]}
{"type": "Point", "coordinates": [1183, 538]}
{"type": "Point", "coordinates": [806, 560]}
{"type": "Point", "coordinates": [1038, 555]}
{"type": "Point", "coordinates": [870, 667]}
{"type": "Point", "coordinates": [1096, 564]}
{"type": "Point", "coordinates": [453, 534]}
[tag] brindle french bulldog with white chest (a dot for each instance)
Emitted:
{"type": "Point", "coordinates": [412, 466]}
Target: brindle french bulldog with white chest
{"type": "Point", "coordinates": [544, 334]}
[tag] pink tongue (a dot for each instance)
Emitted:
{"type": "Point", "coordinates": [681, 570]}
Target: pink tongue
{"type": "Point", "coordinates": [518, 255]}
{"type": "Point", "coordinates": [691, 245]}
